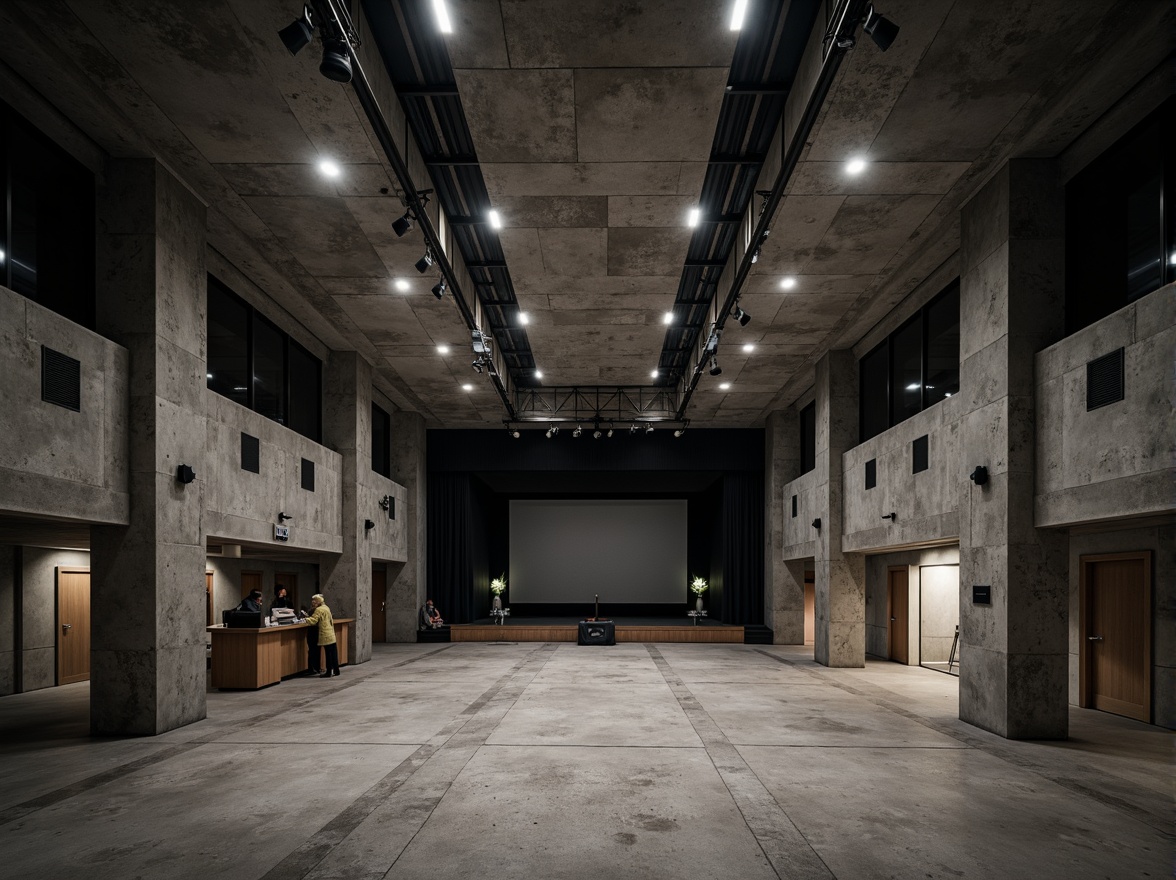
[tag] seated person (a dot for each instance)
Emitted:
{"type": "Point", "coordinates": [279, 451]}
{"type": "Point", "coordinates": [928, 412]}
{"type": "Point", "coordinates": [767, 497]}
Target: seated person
{"type": "Point", "coordinates": [251, 603]}
{"type": "Point", "coordinates": [430, 616]}
{"type": "Point", "coordinates": [281, 599]}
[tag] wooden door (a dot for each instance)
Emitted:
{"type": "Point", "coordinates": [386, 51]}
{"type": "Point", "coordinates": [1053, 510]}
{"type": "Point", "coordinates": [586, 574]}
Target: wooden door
{"type": "Point", "coordinates": [209, 598]}
{"type": "Point", "coordinates": [898, 628]}
{"type": "Point", "coordinates": [810, 608]}
{"type": "Point", "coordinates": [73, 625]}
{"type": "Point", "coordinates": [1115, 594]}
{"type": "Point", "coordinates": [379, 597]}
{"type": "Point", "coordinates": [289, 580]}
{"type": "Point", "coordinates": [250, 580]}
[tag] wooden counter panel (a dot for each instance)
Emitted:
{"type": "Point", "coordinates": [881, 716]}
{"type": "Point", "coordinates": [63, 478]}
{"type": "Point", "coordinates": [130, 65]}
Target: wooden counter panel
{"type": "Point", "coordinates": [253, 658]}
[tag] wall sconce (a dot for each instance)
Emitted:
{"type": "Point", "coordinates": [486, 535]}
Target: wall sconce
{"type": "Point", "coordinates": [890, 516]}
{"type": "Point", "coordinates": [817, 523]}
{"type": "Point", "coordinates": [368, 525]}
{"type": "Point", "coordinates": [282, 517]}
{"type": "Point", "coordinates": [185, 474]}
{"type": "Point", "coordinates": [979, 476]}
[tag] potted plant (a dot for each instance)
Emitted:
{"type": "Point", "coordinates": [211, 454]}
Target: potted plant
{"type": "Point", "coordinates": [698, 586]}
{"type": "Point", "coordinates": [498, 587]}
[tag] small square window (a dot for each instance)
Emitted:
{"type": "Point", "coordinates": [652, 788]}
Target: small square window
{"type": "Point", "coordinates": [919, 454]}
{"type": "Point", "coordinates": [871, 473]}
{"type": "Point", "coordinates": [250, 454]}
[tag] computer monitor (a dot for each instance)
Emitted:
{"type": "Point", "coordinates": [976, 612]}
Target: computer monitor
{"type": "Point", "coordinates": [245, 620]}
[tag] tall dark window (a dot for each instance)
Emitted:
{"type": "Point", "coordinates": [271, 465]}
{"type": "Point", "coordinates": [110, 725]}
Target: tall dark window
{"type": "Point", "coordinates": [808, 438]}
{"type": "Point", "coordinates": [914, 367]}
{"type": "Point", "coordinates": [381, 442]}
{"type": "Point", "coordinates": [252, 362]}
{"type": "Point", "coordinates": [1120, 222]}
{"type": "Point", "coordinates": [47, 231]}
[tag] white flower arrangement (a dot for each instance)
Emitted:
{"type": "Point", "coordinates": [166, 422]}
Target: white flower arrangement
{"type": "Point", "coordinates": [498, 585]}
{"type": "Point", "coordinates": [698, 586]}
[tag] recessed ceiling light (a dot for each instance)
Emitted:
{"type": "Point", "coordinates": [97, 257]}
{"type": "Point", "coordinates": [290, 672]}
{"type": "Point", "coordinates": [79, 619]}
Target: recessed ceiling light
{"type": "Point", "coordinates": [524, 318]}
{"type": "Point", "coordinates": [402, 284]}
{"type": "Point", "coordinates": [442, 349]}
{"type": "Point", "coordinates": [694, 216]}
{"type": "Point", "coordinates": [737, 14]}
{"type": "Point", "coordinates": [914, 386]}
{"type": "Point", "coordinates": [467, 387]}
{"type": "Point", "coordinates": [855, 166]}
{"type": "Point", "coordinates": [328, 168]}
{"type": "Point", "coordinates": [210, 375]}
{"type": "Point", "coordinates": [538, 374]}
{"type": "Point", "coordinates": [495, 219]}
{"type": "Point", "coordinates": [749, 347]}
{"type": "Point", "coordinates": [443, 23]}
{"type": "Point", "coordinates": [724, 386]}
{"type": "Point", "coordinates": [668, 318]}
{"type": "Point", "coordinates": [1171, 259]}
{"type": "Point", "coordinates": [788, 283]}
{"type": "Point", "coordinates": [654, 374]}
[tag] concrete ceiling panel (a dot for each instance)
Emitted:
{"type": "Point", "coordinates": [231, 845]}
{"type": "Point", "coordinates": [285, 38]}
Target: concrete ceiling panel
{"type": "Point", "coordinates": [656, 211]}
{"type": "Point", "coordinates": [320, 233]}
{"type": "Point", "coordinates": [616, 33]}
{"type": "Point", "coordinates": [650, 304]}
{"type": "Point", "coordinates": [573, 211]}
{"type": "Point", "coordinates": [829, 178]}
{"type": "Point", "coordinates": [523, 254]}
{"type": "Point", "coordinates": [601, 291]}
{"type": "Point", "coordinates": [771, 283]}
{"type": "Point", "coordinates": [384, 320]}
{"type": "Point", "coordinates": [867, 232]}
{"type": "Point", "coordinates": [576, 252]}
{"type": "Point", "coordinates": [478, 39]}
{"type": "Point", "coordinates": [800, 224]}
{"type": "Point", "coordinates": [514, 115]}
{"type": "Point", "coordinates": [647, 114]}
{"type": "Point", "coordinates": [639, 251]}
{"type": "Point", "coordinates": [564, 179]}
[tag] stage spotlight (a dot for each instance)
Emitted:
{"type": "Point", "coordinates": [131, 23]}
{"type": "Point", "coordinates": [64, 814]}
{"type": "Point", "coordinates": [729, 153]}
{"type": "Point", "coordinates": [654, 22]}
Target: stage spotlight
{"type": "Point", "coordinates": [439, 289]}
{"type": "Point", "coordinates": [550, 431]}
{"type": "Point", "coordinates": [596, 435]}
{"type": "Point", "coordinates": [755, 255]}
{"type": "Point", "coordinates": [336, 63]}
{"type": "Point", "coordinates": [633, 429]}
{"type": "Point", "coordinates": [649, 429]}
{"type": "Point", "coordinates": [679, 432]}
{"type": "Point", "coordinates": [741, 316]}
{"type": "Point", "coordinates": [881, 29]}
{"type": "Point", "coordinates": [514, 433]}
{"type": "Point", "coordinates": [296, 36]}
{"type": "Point", "coordinates": [609, 434]}
{"type": "Point", "coordinates": [715, 369]}
{"type": "Point", "coordinates": [401, 225]}
{"type": "Point", "coordinates": [423, 264]}
{"type": "Point", "coordinates": [578, 431]}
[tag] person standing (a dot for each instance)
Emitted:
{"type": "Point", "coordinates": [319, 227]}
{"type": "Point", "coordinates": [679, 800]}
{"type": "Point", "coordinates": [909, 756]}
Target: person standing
{"type": "Point", "coordinates": [321, 618]}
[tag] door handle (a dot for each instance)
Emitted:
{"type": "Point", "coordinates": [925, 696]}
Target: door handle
{"type": "Point", "coordinates": [1094, 638]}
{"type": "Point", "coordinates": [894, 618]}
{"type": "Point", "coordinates": [65, 627]}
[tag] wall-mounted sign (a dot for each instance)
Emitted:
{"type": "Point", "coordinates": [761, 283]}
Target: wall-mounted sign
{"type": "Point", "coordinates": [281, 533]}
{"type": "Point", "coordinates": [981, 594]}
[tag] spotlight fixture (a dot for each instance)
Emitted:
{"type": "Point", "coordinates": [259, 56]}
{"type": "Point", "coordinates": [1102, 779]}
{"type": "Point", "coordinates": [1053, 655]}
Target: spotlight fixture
{"type": "Point", "coordinates": [682, 430]}
{"type": "Point", "coordinates": [336, 63]}
{"type": "Point", "coordinates": [693, 218]}
{"type": "Point", "coordinates": [817, 523]}
{"type": "Point", "coordinates": [442, 349]}
{"type": "Point", "coordinates": [423, 264]}
{"type": "Point", "coordinates": [467, 386]}
{"type": "Point", "coordinates": [329, 168]}
{"type": "Point", "coordinates": [610, 433]}
{"type": "Point", "coordinates": [524, 318]}
{"type": "Point", "coordinates": [881, 29]}
{"type": "Point", "coordinates": [385, 502]}
{"type": "Point", "coordinates": [633, 429]}
{"type": "Point", "coordinates": [741, 316]}
{"type": "Point", "coordinates": [755, 255]}
{"type": "Point", "coordinates": [443, 23]}
{"type": "Point", "coordinates": [551, 429]}
{"type": "Point", "coordinates": [368, 525]}
{"type": "Point", "coordinates": [297, 35]}
{"type": "Point", "coordinates": [737, 13]}
{"type": "Point", "coordinates": [748, 347]}
{"type": "Point", "coordinates": [979, 476]}
{"type": "Point", "coordinates": [715, 369]}
{"type": "Point", "coordinates": [439, 289]}
{"type": "Point", "coordinates": [515, 433]}
{"type": "Point", "coordinates": [788, 283]}
{"type": "Point", "coordinates": [649, 429]}
{"type": "Point", "coordinates": [724, 386]}
{"type": "Point", "coordinates": [282, 517]}
{"type": "Point", "coordinates": [653, 375]}
{"type": "Point", "coordinates": [495, 219]}
{"type": "Point", "coordinates": [597, 434]}
{"type": "Point", "coordinates": [668, 318]}
{"type": "Point", "coordinates": [855, 166]}
{"type": "Point", "coordinates": [538, 374]}
{"type": "Point", "coordinates": [403, 224]}
{"type": "Point", "coordinates": [477, 365]}
{"type": "Point", "coordinates": [578, 431]}
{"type": "Point", "coordinates": [185, 474]}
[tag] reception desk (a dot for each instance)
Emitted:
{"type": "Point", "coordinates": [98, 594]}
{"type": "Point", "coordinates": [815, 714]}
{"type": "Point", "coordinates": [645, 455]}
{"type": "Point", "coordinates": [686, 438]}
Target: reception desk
{"type": "Point", "coordinates": [253, 658]}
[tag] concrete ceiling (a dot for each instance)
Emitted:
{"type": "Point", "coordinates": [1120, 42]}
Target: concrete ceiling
{"type": "Point", "coordinates": [592, 121]}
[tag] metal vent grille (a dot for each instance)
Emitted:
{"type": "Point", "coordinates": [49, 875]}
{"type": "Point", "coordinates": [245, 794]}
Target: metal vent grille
{"type": "Point", "coordinates": [1104, 380]}
{"type": "Point", "coordinates": [61, 379]}
{"type": "Point", "coordinates": [308, 475]}
{"type": "Point", "coordinates": [250, 454]}
{"type": "Point", "coordinates": [871, 473]}
{"type": "Point", "coordinates": [919, 454]}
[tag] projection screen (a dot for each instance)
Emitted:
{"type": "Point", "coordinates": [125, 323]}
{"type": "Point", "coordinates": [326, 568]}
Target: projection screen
{"type": "Point", "coordinates": [627, 551]}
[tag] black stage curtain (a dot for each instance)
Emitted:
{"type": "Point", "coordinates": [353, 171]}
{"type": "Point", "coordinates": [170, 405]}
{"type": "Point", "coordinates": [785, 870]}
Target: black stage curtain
{"type": "Point", "coordinates": [741, 537]}
{"type": "Point", "coordinates": [456, 545]}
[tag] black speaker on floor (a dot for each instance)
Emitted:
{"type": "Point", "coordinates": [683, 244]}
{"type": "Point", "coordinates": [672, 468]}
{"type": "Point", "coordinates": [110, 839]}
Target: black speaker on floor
{"type": "Point", "coordinates": [597, 632]}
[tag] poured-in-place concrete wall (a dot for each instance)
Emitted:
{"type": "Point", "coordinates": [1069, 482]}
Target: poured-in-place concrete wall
{"type": "Point", "coordinates": [1119, 459]}
{"type": "Point", "coordinates": [55, 461]}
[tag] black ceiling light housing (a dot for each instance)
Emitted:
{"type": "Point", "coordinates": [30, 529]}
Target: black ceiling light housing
{"type": "Point", "coordinates": [423, 264]}
{"type": "Point", "coordinates": [402, 224]}
{"type": "Point", "coordinates": [741, 316]}
{"type": "Point", "coordinates": [336, 63]}
{"type": "Point", "coordinates": [297, 35]}
{"type": "Point", "coordinates": [881, 29]}
{"type": "Point", "coordinates": [715, 369]}
{"type": "Point", "coordinates": [439, 289]}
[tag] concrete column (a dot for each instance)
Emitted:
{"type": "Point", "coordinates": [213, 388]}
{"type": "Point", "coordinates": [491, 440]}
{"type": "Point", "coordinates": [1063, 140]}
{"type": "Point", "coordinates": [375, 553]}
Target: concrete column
{"type": "Point", "coordinates": [1013, 653]}
{"type": "Point", "coordinates": [406, 583]}
{"type": "Point", "coordinates": [346, 580]}
{"type": "Point", "coordinates": [784, 583]}
{"type": "Point", "coordinates": [147, 672]}
{"type": "Point", "coordinates": [840, 577]}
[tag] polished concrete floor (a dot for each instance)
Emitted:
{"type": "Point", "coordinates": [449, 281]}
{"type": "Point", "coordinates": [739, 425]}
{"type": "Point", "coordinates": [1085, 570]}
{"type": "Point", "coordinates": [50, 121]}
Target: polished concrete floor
{"type": "Point", "coordinates": [544, 761]}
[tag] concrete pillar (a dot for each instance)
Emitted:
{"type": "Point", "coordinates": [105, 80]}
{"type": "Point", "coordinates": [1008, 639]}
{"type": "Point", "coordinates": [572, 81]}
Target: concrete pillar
{"type": "Point", "coordinates": [1013, 653]}
{"type": "Point", "coordinates": [406, 583]}
{"type": "Point", "coordinates": [346, 580]}
{"type": "Point", "coordinates": [840, 577]}
{"type": "Point", "coordinates": [784, 583]}
{"type": "Point", "coordinates": [147, 671]}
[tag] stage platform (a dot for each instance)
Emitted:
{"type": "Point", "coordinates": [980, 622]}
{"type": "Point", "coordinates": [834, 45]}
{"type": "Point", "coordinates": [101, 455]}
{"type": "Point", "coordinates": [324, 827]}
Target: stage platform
{"type": "Point", "coordinates": [628, 629]}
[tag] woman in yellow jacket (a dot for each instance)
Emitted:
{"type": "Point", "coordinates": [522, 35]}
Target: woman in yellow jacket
{"type": "Point", "coordinates": [321, 617]}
